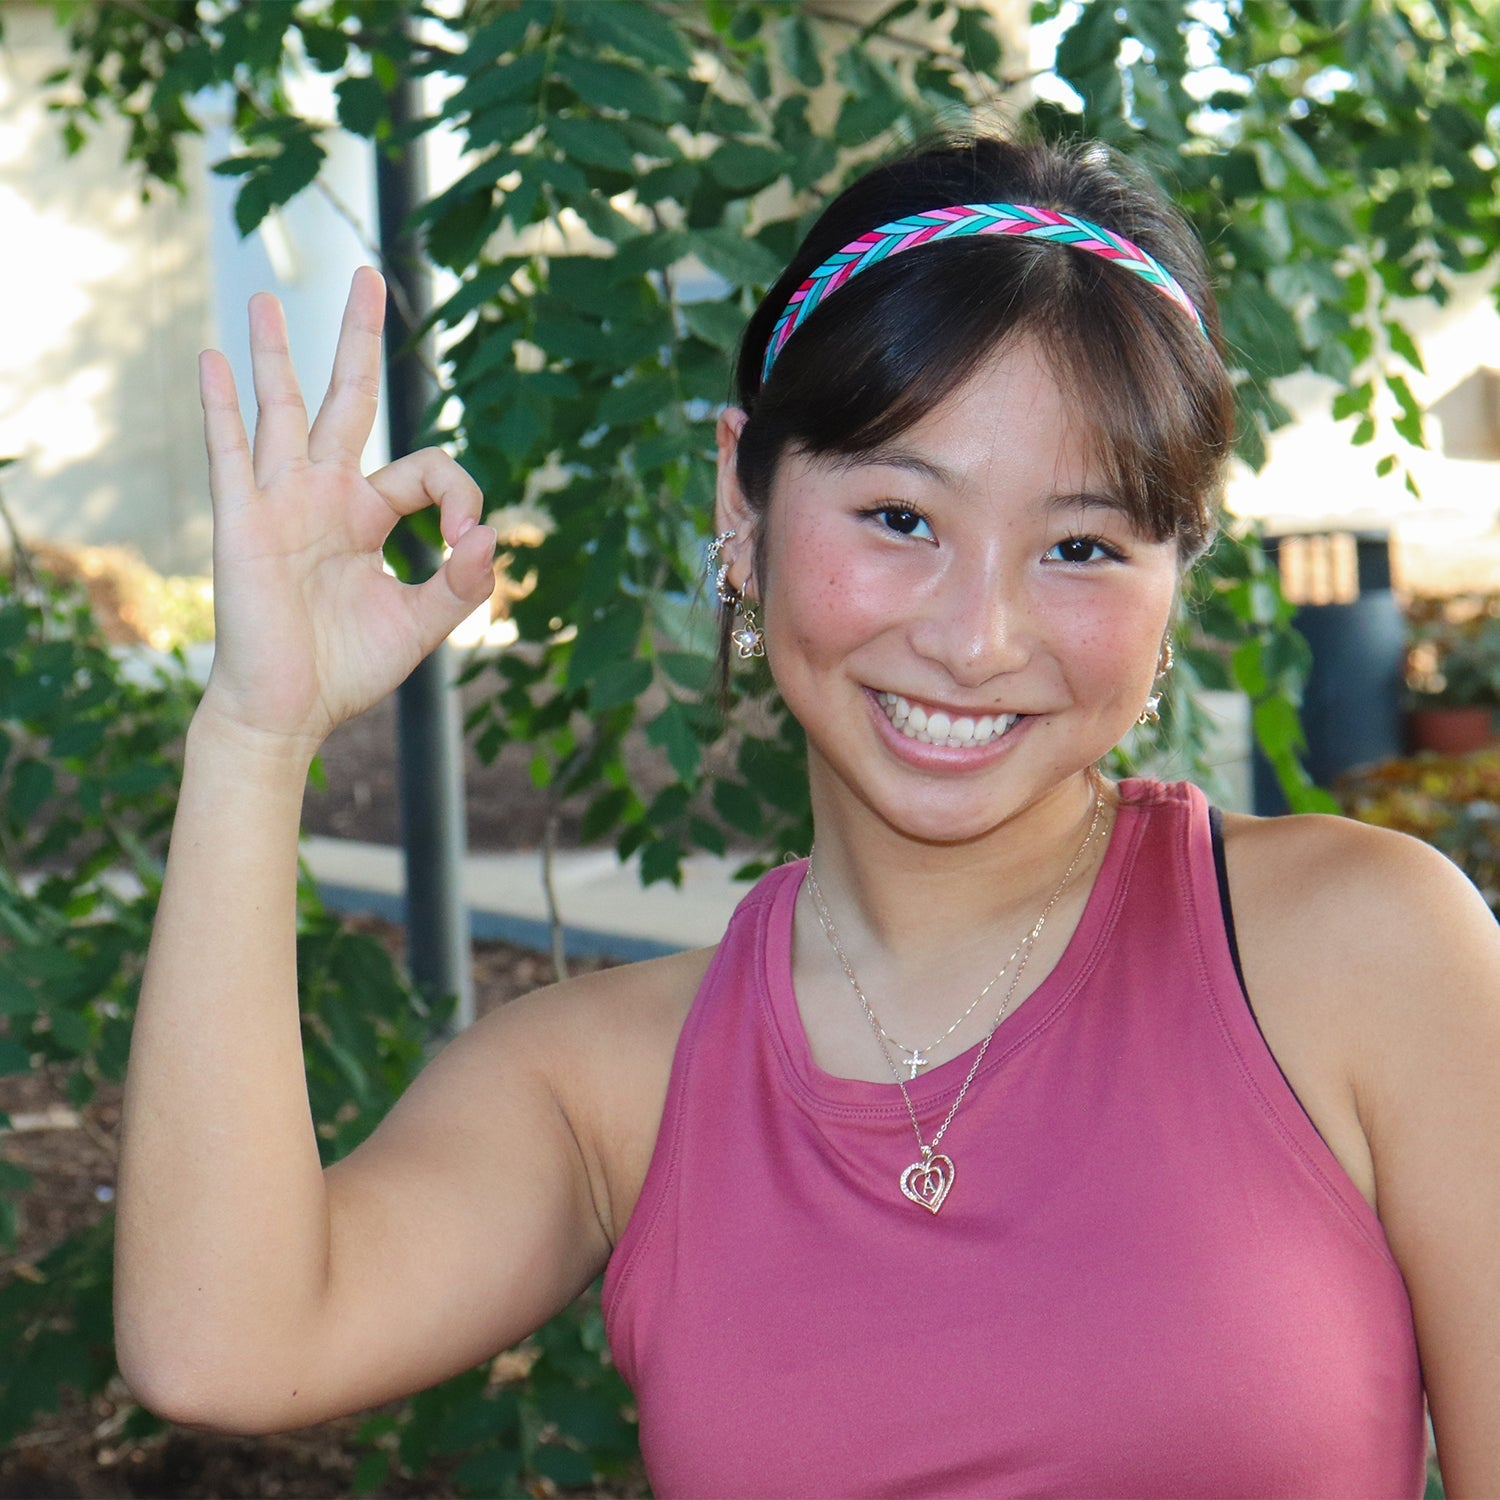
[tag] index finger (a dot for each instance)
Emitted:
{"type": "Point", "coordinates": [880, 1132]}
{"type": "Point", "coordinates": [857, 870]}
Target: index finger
{"type": "Point", "coordinates": [348, 411]}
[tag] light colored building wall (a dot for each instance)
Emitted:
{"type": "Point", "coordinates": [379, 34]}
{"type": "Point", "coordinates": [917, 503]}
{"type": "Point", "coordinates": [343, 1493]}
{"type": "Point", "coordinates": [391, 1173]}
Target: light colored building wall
{"type": "Point", "coordinates": [104, 304]}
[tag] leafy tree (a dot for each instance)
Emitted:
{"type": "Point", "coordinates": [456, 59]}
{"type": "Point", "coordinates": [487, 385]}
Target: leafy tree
{"type": "Point", "coordinates": [1337, 157]}
{"type": "Point", "coordinates": [636, 174]}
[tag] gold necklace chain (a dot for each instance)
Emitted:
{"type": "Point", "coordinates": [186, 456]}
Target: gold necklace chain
{"type": "Point", "coordinates": [926, 1182]}
{"type": "Point", "coordinates": [914, 1058]}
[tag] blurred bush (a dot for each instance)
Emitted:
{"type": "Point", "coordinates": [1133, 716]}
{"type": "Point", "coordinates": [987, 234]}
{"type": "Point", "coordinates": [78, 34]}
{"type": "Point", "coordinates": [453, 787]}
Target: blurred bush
{"type": "Point", "coordinates": [1449, 801]}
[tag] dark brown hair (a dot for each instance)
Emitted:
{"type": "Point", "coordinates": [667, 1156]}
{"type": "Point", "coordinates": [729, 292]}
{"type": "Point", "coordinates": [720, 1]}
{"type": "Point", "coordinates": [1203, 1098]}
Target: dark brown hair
{"type": "Point", "coordinates": [894, 341]}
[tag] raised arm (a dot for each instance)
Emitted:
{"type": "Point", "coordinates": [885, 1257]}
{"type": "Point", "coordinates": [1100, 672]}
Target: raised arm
{"type": "Point", "coordinates": [252, 1291]}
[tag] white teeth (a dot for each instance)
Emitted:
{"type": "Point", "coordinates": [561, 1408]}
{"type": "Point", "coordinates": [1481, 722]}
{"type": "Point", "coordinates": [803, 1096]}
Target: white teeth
{"type": "Point", "coordinates": [941, 728]}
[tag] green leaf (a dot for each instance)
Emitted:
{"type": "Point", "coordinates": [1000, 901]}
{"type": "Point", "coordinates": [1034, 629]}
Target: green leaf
{"type": "Point", "coordinates": [1248, 669]}
{"type": "Point", "coordinates": [31, 786]}
{"type": "Point", "coordinates": [635, 400]}
{"type": "Point", "coordinates": [501, 84]}
{"type": "Point", "coordinates": [457, 235]}
{"type": "Point", "coordinates": [14, 1058]}
{"type": "Point", "coordinates": [745, 167]}
{"type": "Point", "coordinates": [738, 805]}
{"type": "Point", "coordinates": [1091, 44]}
{"type": "Point", "coordinates": [688, 670]}
{"type": "Point", "coordinates": [362, 104]}
{"type": "Point", "coordinates": [607, 643]}
{"type": "Point", "coordinates": [371, 1471]}
{"type": "Point", "coordinates": [619, 687]}
{"type": "Point", "coordinates": [604, 812]}
{"type": "Point", "coordinates": [976, 31]}
{"type": "Point", "coordinates": [615, 86]}
{"type": "Point", "coordinates": [1277, 727]}
{"type": "Point", "coordinates": [1402, 345]}
{"type": "Point", "coordinates": [489, 1474]}
{"type": "Point", "coordinates": [595, 142]}
{"type": "Point", "coordinates": [672, 731]}
{"type": "Point", "coordinates": [718, 323]}
{"type": "Point", "coordinates": [661, 860]}
{"type": "Point", "coordinates": [739, 261]}
{"type": "Point", "coordinates": [504, 34]}
{"type": "Point", "coordinates": [635, 31]}
{"type": "Point", "coordinates": [799, 49]}
{"type": "Point", "coordinates": [1347, 403]}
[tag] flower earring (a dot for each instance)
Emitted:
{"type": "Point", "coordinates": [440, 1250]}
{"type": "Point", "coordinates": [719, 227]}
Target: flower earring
{"type": "Point", "coordinates": [749, 641]}
{"type": "Point", "coordinates": [1151, 713]}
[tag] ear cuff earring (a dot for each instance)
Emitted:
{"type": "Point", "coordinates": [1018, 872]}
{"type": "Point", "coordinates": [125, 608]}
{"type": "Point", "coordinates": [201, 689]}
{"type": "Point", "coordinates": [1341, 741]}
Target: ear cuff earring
{"type": "Point", "coordinates": [749, 641]}
{"type": "Point", "coordinates": [1151, 713]}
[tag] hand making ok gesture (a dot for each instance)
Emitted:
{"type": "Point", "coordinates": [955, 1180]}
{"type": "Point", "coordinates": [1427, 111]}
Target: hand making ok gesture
{"type": "Point", "coordinates": [310, 629]}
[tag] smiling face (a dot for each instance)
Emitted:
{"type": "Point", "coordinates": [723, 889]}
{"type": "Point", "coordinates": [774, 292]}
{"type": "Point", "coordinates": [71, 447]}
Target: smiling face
{"type": "Point", "coordinates": [962, 620]}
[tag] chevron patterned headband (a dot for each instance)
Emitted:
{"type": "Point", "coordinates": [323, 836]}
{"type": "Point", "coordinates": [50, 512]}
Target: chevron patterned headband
{"type": "Point", "coordinates": [969, 218]}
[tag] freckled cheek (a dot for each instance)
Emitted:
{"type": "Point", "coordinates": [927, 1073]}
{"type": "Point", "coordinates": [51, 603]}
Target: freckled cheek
{"type": "Point", "coordinates": [818, 596]}
{"type": "Point", "coordinates": [1115, 644]}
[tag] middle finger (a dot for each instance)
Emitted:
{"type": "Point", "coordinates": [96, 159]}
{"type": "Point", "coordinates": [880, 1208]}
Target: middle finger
{"type": "Point", "coordinates": [347, 414]}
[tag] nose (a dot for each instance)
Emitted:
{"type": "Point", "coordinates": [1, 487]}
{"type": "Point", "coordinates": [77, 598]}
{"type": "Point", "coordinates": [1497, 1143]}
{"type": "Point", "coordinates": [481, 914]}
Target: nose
{"type": "Point", "coordinates": [974, 621]}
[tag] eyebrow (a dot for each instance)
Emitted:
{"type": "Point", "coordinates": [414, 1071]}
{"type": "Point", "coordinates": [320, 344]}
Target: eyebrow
{"type": "Point", "coordinates": [888, 456]}
{"type": "Point", "coordinates": [1091, 500]}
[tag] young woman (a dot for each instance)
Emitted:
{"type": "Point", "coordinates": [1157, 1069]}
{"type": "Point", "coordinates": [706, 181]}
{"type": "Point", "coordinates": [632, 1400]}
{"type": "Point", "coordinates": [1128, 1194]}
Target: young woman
{"type": "Point", "coordinates": [1040, 1136]}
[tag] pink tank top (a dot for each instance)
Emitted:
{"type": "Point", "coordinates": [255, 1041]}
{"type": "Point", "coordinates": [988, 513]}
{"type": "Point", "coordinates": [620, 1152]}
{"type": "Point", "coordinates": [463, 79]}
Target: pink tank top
{"type": "Point", "coordinates": [1152, 1277]}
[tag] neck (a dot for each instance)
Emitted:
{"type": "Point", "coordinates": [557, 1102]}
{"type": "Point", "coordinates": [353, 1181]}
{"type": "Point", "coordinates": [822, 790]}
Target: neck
{"type": "Point", "coordinates": [917, 901]}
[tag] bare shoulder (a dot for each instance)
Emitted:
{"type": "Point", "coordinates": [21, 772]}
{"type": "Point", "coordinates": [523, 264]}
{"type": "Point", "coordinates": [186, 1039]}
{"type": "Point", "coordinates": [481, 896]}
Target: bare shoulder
{"type": "Point", "coordinates": [1347, 899]}
{"type": "Point", "coordinates": [604, 1042]}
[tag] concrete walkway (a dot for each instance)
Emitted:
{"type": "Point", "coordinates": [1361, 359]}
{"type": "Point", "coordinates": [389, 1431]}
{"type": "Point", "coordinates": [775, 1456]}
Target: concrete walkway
{"type": "Point", "coordinates": [604, 907]}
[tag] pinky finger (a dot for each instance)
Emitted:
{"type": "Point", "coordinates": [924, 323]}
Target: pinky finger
{"type": "Point", "coordinates": [231, 475]}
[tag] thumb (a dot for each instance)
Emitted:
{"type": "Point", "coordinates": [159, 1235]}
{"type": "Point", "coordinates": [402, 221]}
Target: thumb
{"type": "Point", "coordinates": [465, 580]}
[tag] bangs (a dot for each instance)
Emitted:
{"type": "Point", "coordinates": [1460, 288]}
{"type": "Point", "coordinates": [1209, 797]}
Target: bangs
{"type": "Point", "coordinates": [902, 337]}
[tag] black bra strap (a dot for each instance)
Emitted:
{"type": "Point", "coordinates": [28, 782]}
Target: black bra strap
{"type": "Point", "coordinates": [1216, 829]}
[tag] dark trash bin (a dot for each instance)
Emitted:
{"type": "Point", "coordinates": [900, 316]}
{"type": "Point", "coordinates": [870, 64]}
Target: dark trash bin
{"type": "Point", "coordinates": [1351, 710]}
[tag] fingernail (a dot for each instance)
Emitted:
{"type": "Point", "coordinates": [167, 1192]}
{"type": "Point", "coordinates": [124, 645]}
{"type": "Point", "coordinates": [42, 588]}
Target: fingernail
{"type": "Point", "coordinates": [464, 528]}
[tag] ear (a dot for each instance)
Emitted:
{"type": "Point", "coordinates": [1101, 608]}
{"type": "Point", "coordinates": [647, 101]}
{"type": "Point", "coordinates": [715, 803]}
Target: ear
{"type": "Point", "coordinates": [732, 511]}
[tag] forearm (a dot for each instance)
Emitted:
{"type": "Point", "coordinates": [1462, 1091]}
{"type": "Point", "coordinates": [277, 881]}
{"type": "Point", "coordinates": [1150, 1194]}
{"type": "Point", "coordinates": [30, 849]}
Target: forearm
{"type": "Point", "coordinates": [223, 1226]}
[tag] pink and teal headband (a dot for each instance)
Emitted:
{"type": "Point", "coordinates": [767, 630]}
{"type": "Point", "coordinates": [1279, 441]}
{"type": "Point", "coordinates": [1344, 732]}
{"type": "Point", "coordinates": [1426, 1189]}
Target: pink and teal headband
{"type": "Point", "coordinates": [969, 218]}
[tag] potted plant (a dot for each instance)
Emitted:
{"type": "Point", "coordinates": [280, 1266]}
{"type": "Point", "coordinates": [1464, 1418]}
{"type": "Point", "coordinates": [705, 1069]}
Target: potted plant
{"type": "Point", "coordinates": [1453, 676]}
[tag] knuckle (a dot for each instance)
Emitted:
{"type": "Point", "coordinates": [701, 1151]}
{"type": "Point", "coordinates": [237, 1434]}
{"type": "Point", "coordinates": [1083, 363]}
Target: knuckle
{"type": "Point", "coordinates": [360, 384]}
{"type": "Point", "coordinates": [290, 401]}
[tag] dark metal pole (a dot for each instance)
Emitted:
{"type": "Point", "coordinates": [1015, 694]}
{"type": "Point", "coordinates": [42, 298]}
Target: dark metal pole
{"type": "Point", "coordinates": [429, 767]}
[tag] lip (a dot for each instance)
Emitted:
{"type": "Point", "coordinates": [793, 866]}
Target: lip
{"type": "Point", "coordinates": [943, 757]}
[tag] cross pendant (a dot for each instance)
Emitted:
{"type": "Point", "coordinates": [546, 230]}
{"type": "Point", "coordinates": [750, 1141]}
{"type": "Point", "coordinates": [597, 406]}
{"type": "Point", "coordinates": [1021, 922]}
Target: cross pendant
{"type": "Point", "coordinates": [916, 1062]}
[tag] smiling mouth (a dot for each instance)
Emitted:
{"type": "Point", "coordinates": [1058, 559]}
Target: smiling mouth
{"type": "Point", "coordinates": [933, 726]}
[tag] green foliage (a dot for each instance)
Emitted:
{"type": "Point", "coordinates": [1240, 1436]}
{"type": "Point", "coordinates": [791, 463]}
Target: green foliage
{"type": "Point", "coordinates": [87, 787]}
{"type": "Point", "coordinates": [554, 1410]}
{"type": "Point", "coordinates": [89, 763]}
{"type": "Point", "coordinates": [637, 174]}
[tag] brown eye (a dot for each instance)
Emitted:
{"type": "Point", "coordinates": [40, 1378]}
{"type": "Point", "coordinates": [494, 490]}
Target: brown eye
{"type": "Point", "coordinates": [1083, 549]}
{"type": "Point", "coordinates": [899, 518]}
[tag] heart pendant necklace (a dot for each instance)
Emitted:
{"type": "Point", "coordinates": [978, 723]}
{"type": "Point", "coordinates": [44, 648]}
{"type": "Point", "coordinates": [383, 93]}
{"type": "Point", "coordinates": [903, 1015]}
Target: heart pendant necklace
{"type": "Point", "coordinates": [928, 1181]}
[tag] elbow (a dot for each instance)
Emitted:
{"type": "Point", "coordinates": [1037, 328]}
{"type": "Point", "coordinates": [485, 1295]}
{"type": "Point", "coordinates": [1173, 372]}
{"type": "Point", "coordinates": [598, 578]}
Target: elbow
{"type": "Point", "coordinates": [190, 1393]}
